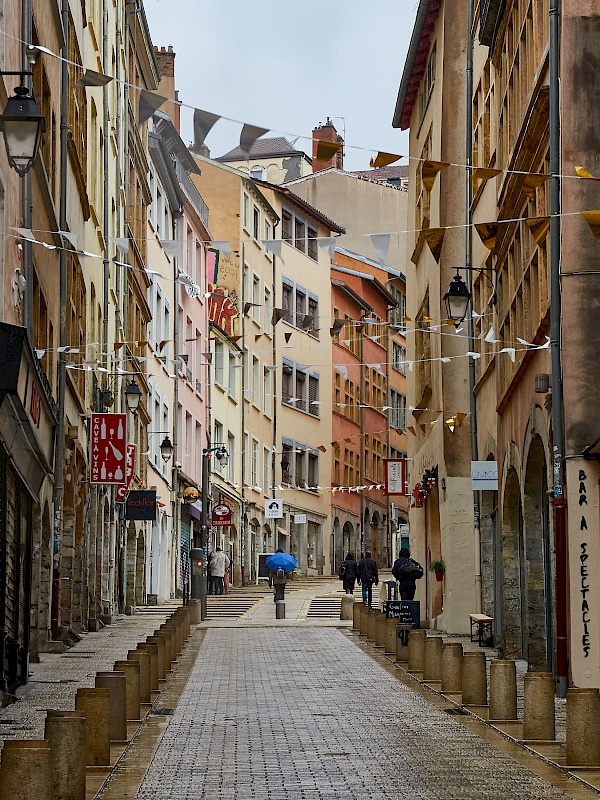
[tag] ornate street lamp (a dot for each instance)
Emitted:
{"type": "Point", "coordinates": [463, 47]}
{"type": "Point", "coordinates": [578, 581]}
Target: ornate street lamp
{"type": "Point", "coordinates": [166, 449]}
{"type": "Point", "coordinates": [222, 456]}
{"type": "Point", "coordinates": [133, 395]}
{"type": "Point", "coordinates": [22, 126]}
{"type": "Point", "coordinates": [457, 300]}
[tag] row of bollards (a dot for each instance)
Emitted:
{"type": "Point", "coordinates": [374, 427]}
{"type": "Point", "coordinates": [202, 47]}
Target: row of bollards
{"type": "Point", "coordinates": [463, 677]}
{"type": "Point", "coordinates": [54, 768]}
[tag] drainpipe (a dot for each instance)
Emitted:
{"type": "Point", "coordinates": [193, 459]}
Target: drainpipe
{"type": "Point", "coordinates": [560, 503]}
{"type": "Point", "coordinates": [469, 271]}
{"type": "Point", "coordinates": [27, 24]}
{"type": "Point", "coordinates": [243, 422]}
{"type": "Point", "coordinates": [62, 371]}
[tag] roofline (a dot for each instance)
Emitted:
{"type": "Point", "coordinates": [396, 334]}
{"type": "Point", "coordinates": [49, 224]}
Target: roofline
{"type": "Point", "coordinates": [385, 184]}
{"type": "Point", "coordinates": [251, 184]}
{"type": "Point", "coordinates": [366, 276]}
{"type": "Point", "coordinates": [225, 159]}
{"type": "Point", "coordinates": [343, 286]}
{"type": "Point", "coordinates": [409, 64]}
{"type": "Point", "coordinates": [359, 257]}
{"type": "Point", "coordinates": [314, 212]}
{"type": "Point", "coordinates": [170, 135]}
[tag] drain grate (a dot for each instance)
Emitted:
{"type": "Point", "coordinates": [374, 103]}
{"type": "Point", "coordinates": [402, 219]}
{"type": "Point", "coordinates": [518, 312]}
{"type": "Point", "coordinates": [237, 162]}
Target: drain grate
{"type": "Point", "coordinates": [163, 712]}
{"type": "Point", "coordinates": [457, 712]}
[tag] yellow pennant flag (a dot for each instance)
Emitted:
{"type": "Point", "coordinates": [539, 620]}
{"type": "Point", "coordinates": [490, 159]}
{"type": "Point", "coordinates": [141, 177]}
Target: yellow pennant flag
{"type": "Point", "coordinates": [531, 183]}
{"type": "Point", "coordinates": [539, 227]}
{"type": "Point", "coordinates": [384, 159]}
{"type": "Point", "coordinates": [327, 150]}
{"type": "Point", "coordinates": [484, 174]}
{"type": "Point", "coordinates": [593, 220]}
{"type": "Point", "coordinates": [430, 170]}
{"type": "Point", "coordinates": [435, 239]}
{"type": "Point", "coordinates": [412, 430]}
{"type": "Point", "coordinates": [581, 172]}
{"type": "Point", "coordinates": [488, 232]}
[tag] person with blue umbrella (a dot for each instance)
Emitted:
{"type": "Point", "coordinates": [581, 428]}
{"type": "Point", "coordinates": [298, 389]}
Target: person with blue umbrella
{"type": "Point", "coordinates": [280, 564]}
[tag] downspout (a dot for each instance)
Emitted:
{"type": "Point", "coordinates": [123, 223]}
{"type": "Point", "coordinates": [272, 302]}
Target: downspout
{"type": "Point", "coordinates": [560, 503]}
{"type": "Point", "coordinates": [27, 80]}
{"type": "Point", "coordinates": [105, 204]}
{"type": "Point", "coordinates": [120, 149]}
{"type": "Point", "coordinates": [243, 421]}
{"type": "Point", "coordinates": [62, 371]}
{"type": "Point", "coordinates": [469, 271]}
{"type": "Point", "coordinates": [176, 506]}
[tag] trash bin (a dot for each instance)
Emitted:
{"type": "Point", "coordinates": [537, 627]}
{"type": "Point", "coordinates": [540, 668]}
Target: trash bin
{"type": "Point", "coordinates": [280, 609]}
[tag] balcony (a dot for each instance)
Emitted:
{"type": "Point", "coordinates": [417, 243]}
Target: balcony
{"type": "Point", "coordinates": [192, 194]}
{"type": "Point", "coordinates": [490, 15]}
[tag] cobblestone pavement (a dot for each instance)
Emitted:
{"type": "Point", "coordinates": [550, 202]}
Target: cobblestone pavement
{"type": "Point", "coordinates": [276, 713]}
{"type": "Point", "coordinates": [53, 683]}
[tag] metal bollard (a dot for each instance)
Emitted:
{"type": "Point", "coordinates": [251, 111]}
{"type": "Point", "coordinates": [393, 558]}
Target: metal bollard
{"type": "Point", "coordinates": [132, 687]}
{"type": "Point", "coordinates": [503, 690]}
{"type": "Point", "coordinates": [66, 733]}
{"type": "Point", "coordinates": [280, 609]}
{"type": "Point", "coordinates": [452, 662]}
{"type": "Point", "coordinates": [402, 633]}
{"type": "Point", "coordinates": [538, 706]}
{"type": "Point", "coordinates": [114, 682]}
{"type": "Point", "coordinates": [390, 636]}
{"type": "Point", "coordinates": [347, 607]}
{"type": "Point", "coordinates": [583, 728]}
{"type": "Point", "coordinates": [432, 661]}
{"type": "Point", "coordinates": [143, 658]}
{"type": "Point", "coordinates": [95, 705]}
{"type": "Point", "coordinates": [416, 650]}
{"type": "Point", "coordinates": [26, 770]}
{"type": "Point", "coordinates": [474, 679]}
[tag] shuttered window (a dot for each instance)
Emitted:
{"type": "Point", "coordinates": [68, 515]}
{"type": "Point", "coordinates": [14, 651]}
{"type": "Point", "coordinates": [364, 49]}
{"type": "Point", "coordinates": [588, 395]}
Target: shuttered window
{"type": "Point", "coordinates": [313, 395]}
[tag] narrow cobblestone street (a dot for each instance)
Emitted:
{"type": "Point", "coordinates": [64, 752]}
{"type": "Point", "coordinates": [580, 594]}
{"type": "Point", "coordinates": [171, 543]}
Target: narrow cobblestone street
{"type": "Point", "coordinates": [278, 713]}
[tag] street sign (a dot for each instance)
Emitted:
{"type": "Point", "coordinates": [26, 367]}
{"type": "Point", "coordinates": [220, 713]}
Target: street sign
{"type": "Point", "coordinates": [300, 519]}
{"type": "Point", "coordinates": [484, 475]}
{"type": "Point", "coordinates": [107, 449]}
{"type": "Point", "coordinates": [405, 611]}
{"type": "Point", "coordinates": [395, 476]}
{"type": "Point", "coordinates": [274, 509]}
{"type": "Point", "coordinates": [130, 462]}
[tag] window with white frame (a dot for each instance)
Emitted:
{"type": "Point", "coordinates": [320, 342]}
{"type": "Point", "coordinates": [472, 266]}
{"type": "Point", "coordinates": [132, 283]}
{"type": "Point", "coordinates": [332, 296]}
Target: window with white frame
{"type": "Point", "coordinates": [218, 434]}
{"type": "Point", "coordinates": [167, 333]}
{"type": "Point", "coordinates": [296, 231]}
{"type": "Point", "coordinates": [398, 314]}
{"type": "Point", "coordinates": [232, 373]}
{"type": "Point", "coordinates": [266, 471]}
{"type": "Point", "coordinates": [397, 410]}
{"type": "Point", "coordinates": [256, 222]}
{"type": "Point", "coordinates": [256, 298]}
{"type": "Point", "coordinates": [267, 309]}
{"type": "Point", "coordinates": [165, 427]}
{"type": "Point", "coordinates": [255, 381]}
{"type": "Point", "coordinates": [399, 357]}
{"type": "Point", "coordinates": [246, 454]}
{"type": "Point", "coordinates": [231, 457]}
{"type": "Point", "coordinates": [302, 465]}
{"type": "Point", "coordinates": [254, 463]}
{"type": "Point", "coordinates": [246, 212]}
{"type": "Point", "coordinates": [267, 391]}
{"type": "Point", "coordinates": [219, 356]}
{"type": "Point", "coordinates": [267, 229]}
{"type": "Point", "coordinates": [256, 173]}
{"type": "Point", "coordinates": [300, 388]}
{"type": "Point", "coordinates": [302, 307]}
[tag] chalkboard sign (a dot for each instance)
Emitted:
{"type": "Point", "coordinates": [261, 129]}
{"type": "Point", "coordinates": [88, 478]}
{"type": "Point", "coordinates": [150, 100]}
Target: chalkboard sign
{"type": "Point", "coordinates": [405, 611]}
{"type": "Point", "coordinates": [263, 570]}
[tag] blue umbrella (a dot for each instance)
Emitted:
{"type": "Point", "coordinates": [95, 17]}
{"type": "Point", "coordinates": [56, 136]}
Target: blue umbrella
{"type": "Point", "coordinates": [283, 561]}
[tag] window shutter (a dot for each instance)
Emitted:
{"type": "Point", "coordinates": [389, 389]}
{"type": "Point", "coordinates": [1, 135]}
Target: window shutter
{"type": "Point", "coordinates": [313, 394]}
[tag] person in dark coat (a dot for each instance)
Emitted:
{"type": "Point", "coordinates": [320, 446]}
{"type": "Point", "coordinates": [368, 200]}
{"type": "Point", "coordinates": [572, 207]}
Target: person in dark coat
{"type": "Point", "coordinates": [349, 573]}
{"type": "Point", "coordinates": [368, 576]}
{"type": "Point", "coordinates": [408, 586]}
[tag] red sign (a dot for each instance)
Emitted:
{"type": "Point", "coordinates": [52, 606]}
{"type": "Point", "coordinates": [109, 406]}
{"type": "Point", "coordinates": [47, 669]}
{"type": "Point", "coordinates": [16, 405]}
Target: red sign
{"type": "Point", "coordinates": [395, 476]}
{"type": "Point", "coordinates": [122, 490]}
{"type": "Point", "coordinates": [221, 515]}
{"type": "Point", "coordinates": [107, 448]}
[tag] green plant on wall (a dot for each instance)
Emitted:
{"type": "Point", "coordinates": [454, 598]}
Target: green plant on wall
{"type": "Point", "coordinates": [437, 566]}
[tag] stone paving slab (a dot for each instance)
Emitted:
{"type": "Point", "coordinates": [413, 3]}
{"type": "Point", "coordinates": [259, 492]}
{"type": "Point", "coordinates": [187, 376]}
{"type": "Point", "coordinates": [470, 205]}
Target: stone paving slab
{"type": "Point", "coordinates": [278, 713]}
{"type": "Point", "coordinates": [53, 683]}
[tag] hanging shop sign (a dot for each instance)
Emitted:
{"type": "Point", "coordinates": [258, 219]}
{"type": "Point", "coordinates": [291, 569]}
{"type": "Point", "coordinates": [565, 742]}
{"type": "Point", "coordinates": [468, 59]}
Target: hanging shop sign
{"type": "Point", "coordinates": [395, 476]}
{"type": "Point", "coordinates": [141, 505]}
{"type": "Point", "coordinates": [129, 465]}
{"type": "Point", "coordinates": [221, 516]}
{"type": "Point", "coordinates": [108, 449]}
{"type": "Point", "coordinates": [484, 475]}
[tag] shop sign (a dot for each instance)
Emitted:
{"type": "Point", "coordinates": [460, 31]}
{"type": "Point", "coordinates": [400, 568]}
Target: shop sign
{"type": "Point", "coordinates": [395, 476]}
{"type": "Point", "coordinates": [221, 516]}
{"type": "Point", "coordinates": [484, 475]}
{"type": "Point", "coordinates": [107, 449]}
{"type": "Point", "coordinates": [130, 462]}
{"type": "Point", "coordinates": [141, 505]}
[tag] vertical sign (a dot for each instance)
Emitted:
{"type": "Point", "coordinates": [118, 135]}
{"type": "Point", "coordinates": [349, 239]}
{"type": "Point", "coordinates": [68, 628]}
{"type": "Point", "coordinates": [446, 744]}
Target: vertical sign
{"type": "Point", "coordinates": [107, 448]}
{"type": "Point", "coordinates": [122, 490]}
{"type": "Point", "coordinates": [395, 476]}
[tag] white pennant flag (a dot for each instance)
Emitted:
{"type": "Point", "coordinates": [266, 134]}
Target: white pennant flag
{"type": "Point", "coordinates": [25, 233]}
{"type": "Point", "coordinates": [70, 237]}
{"type": "Point", "coordinates": [121, 243]}
{"type": "Point", "coordinates": [343, 370]}
{"type": "Point", "coordinates": [511, 352]}
{"type": "Point", "coordinates": [274, 246]}
{"type": "Point", "coordinates": [490, 337]}
{"type": "Point", "coordinates": [170, 246]}
{"type": "Point", "coordinates": [381, 245]}
{"type": "Point", "coordinates": [473, 355]}
{"type": "Point", "coordinates": [328, 245]}
{"type": "Point", "coordinates": [222, 247]}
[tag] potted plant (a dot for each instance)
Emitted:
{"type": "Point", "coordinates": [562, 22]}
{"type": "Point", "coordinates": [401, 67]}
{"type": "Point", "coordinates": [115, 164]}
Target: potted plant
{"type": "Point", "coordinates": [439, 568]}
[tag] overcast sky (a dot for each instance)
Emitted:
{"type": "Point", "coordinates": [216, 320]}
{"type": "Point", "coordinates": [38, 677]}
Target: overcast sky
{"type": "Point", "coordinates": [287, 66]}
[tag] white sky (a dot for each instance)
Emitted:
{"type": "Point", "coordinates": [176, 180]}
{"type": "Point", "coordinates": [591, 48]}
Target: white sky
{"type": "Point", "coordinates": [288, 65]}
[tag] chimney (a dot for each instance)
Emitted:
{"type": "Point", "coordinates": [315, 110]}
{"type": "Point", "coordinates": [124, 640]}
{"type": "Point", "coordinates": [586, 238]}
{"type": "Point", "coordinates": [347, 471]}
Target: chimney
{"type": "Point", "coordinates": [327, 133]}
{"type": "Point", "coordinates": [165, 58]}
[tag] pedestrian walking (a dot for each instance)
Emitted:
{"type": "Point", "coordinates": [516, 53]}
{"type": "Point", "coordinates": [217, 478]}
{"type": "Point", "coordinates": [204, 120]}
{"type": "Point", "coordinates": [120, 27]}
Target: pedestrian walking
{"type": "Point", "coordinates": [348, 573]}
{"type": "Point", "coordinates": [278, 577]}
{"type": "Point", "coordinates": [211, 583]}
{"type": "Point", "coordinates": [368, 575]}
{"type": "Point", "coordinates": [407, 571]}
{"type": "Point", "coordinates": [226, 575]}
{"type": "Point", "coordinates": [217, 570]}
